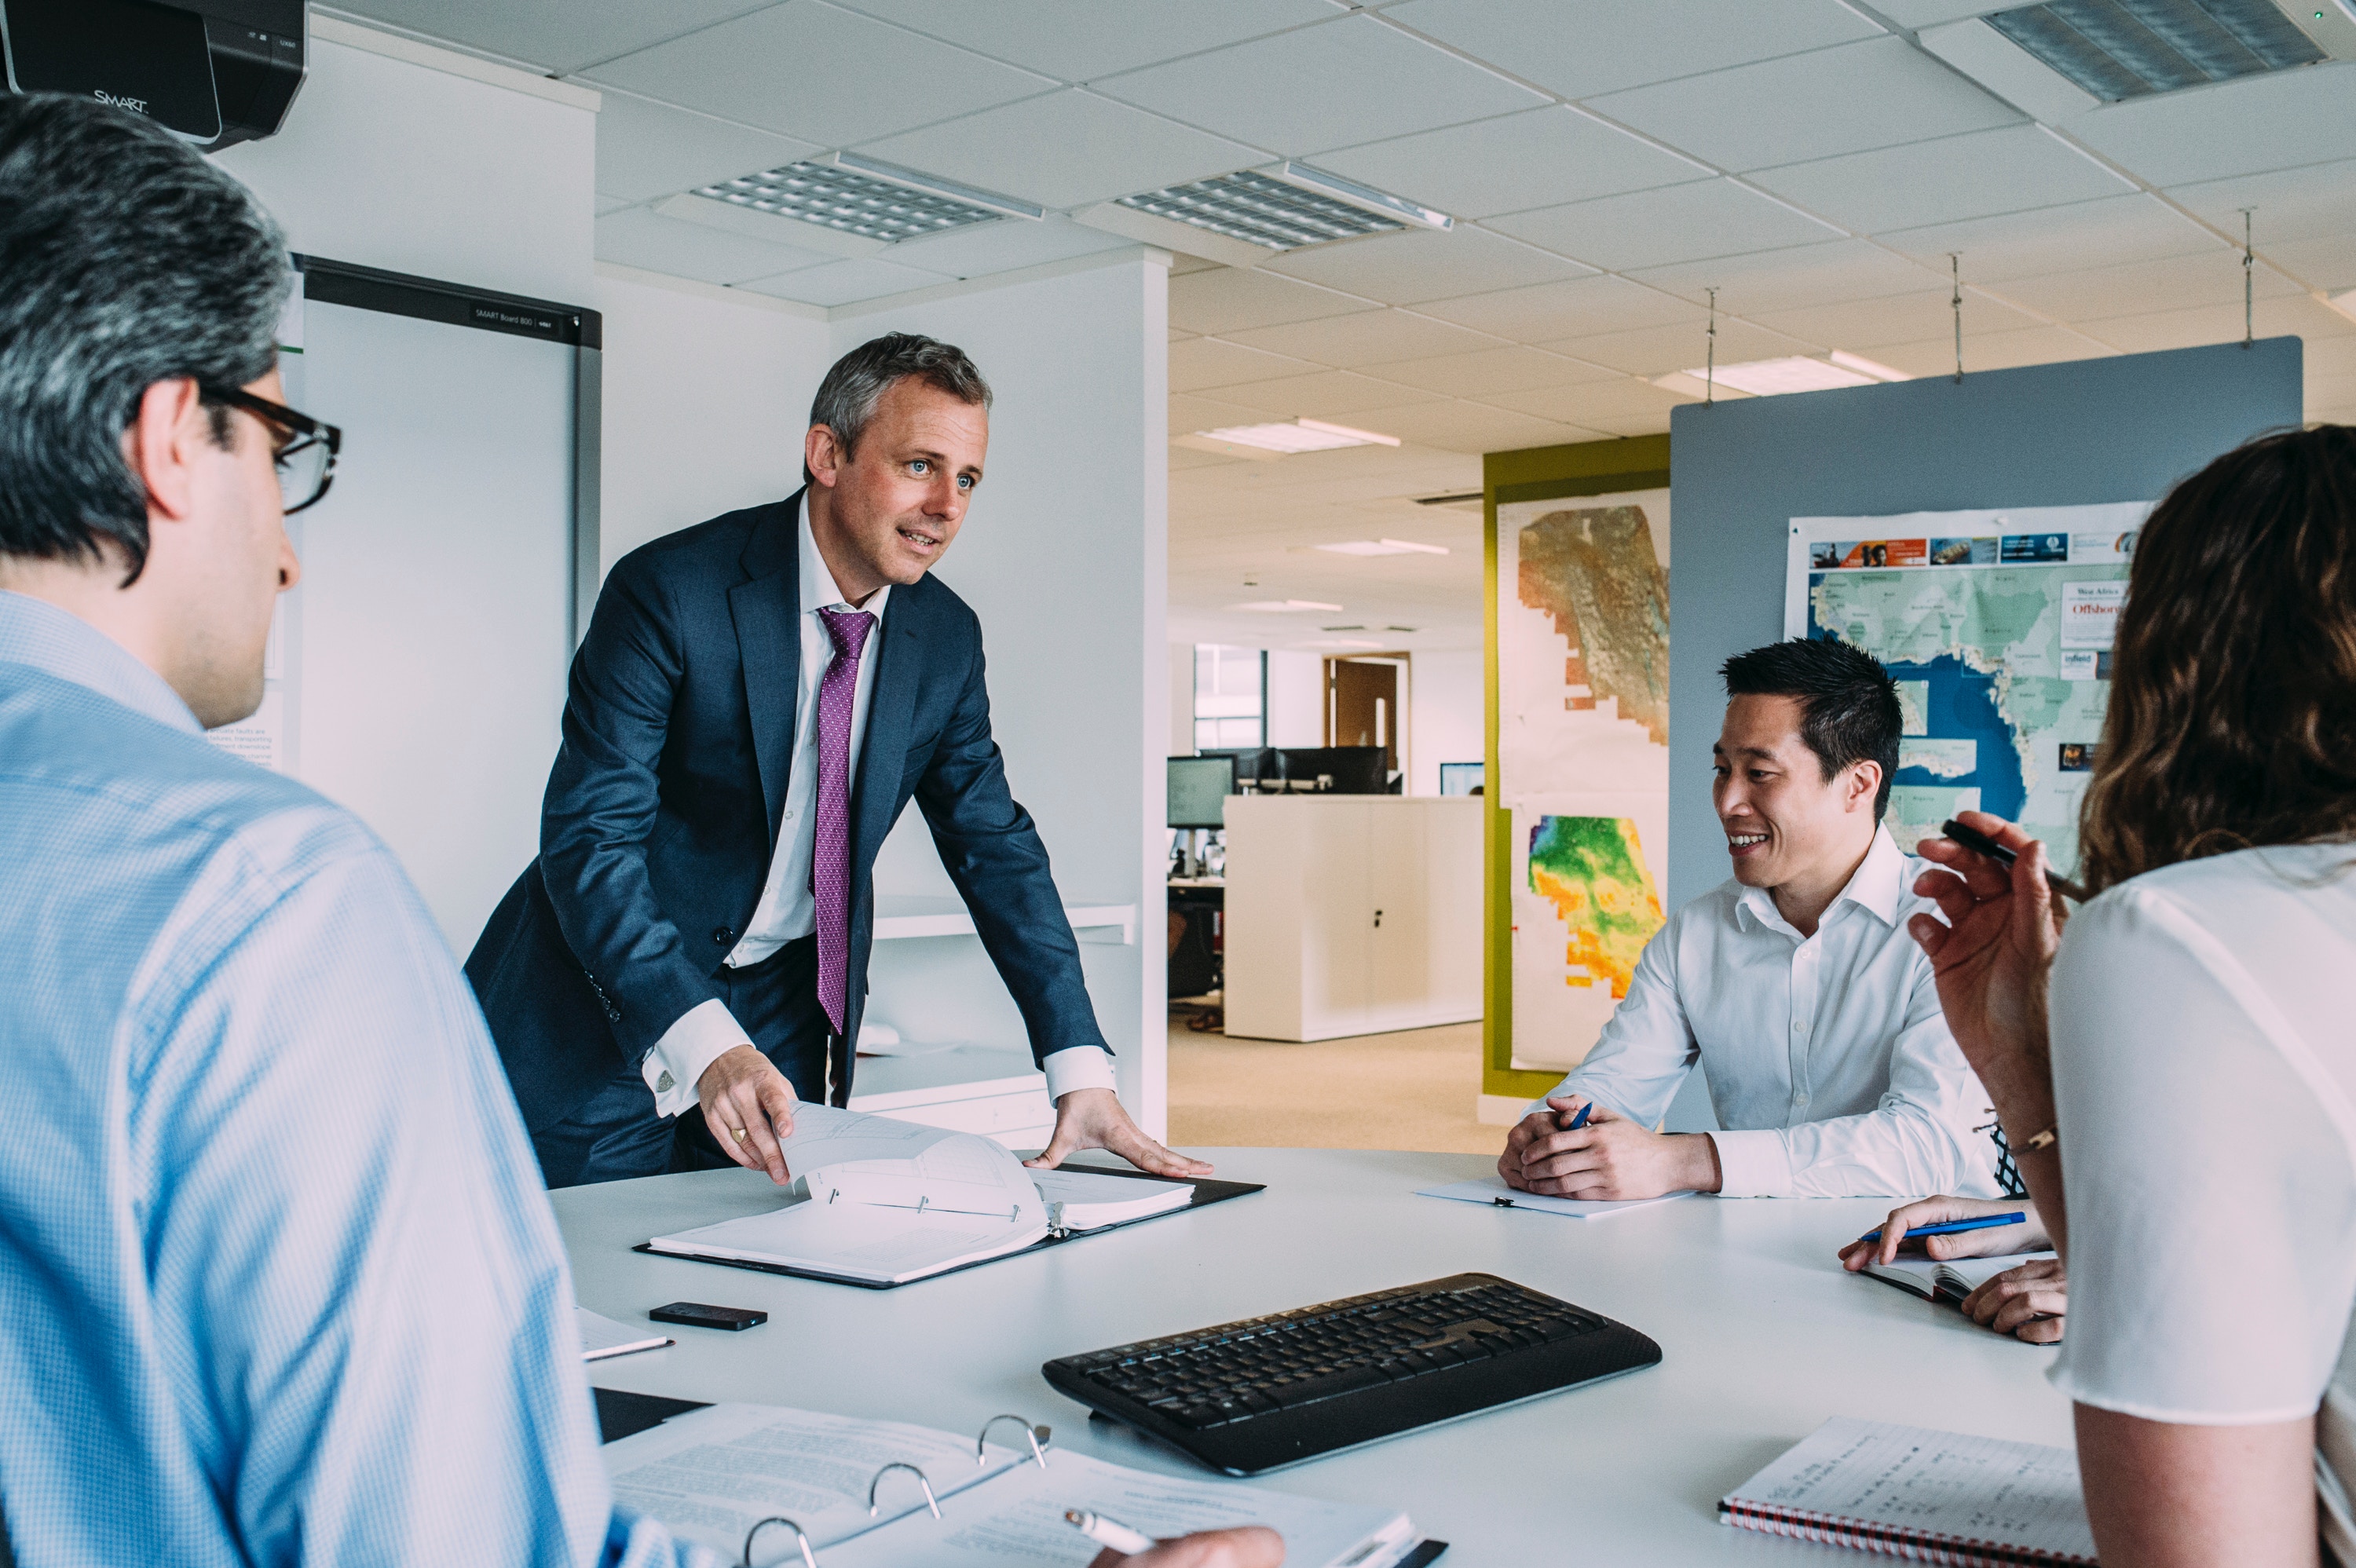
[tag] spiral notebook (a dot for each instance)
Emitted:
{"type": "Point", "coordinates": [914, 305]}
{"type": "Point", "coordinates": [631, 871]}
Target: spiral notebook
{"type": "Point", "coordinates": [765, 1484]}
{"type": "Point", "coordinates": [1934, 1497]}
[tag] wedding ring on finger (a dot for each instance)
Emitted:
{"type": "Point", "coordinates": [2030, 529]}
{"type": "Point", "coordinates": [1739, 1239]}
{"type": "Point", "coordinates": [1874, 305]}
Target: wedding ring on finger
{"type": "Point", "coordinates": [738, 1133]}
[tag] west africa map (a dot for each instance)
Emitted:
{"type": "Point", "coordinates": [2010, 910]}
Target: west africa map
{"type": "Point", "coordinates": [1997, 627]}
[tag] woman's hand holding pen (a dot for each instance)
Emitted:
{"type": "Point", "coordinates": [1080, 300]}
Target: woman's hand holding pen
{"type": "Point", "coordinates": [2028, 1303]}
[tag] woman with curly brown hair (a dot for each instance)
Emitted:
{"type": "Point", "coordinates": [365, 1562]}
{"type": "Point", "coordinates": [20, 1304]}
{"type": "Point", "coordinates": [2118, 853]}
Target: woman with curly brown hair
{"type": "Point", "coordinates": [2199, 1090]}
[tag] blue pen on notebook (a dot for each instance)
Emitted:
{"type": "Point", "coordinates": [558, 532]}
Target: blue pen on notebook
{"type": "Point", "coordinates": [2016, 1218]}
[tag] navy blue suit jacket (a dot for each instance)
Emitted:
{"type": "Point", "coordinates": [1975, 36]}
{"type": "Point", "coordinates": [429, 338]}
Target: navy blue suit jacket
{"type": "Point", "coordinates": [663, 808]}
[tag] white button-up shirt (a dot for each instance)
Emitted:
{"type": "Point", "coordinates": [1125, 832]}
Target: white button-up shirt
{"type": "Point", "coordinates": [1826, 1056]}
{"type": "Point", "coordinates": [787, 911]}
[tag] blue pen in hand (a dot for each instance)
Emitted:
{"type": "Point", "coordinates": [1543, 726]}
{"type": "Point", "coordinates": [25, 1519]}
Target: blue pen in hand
{"type": "Point", "coordinates": [1579, 1120]}
{"type": "Point", "coordinates": [2016, 1217]}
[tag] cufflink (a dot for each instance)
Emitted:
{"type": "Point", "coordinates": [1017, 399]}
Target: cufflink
{"type": "Point", "coordinates": [662, 1084]}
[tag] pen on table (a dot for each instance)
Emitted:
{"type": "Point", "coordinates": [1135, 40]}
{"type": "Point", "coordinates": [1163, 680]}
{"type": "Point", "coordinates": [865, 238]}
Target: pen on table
{"type": "Point", "coordinates": [1107, 1532]}
{"type": "Point", "coordinates": [1980, 842]}
{"type": "Point", "coordinates": [2016, 1217]}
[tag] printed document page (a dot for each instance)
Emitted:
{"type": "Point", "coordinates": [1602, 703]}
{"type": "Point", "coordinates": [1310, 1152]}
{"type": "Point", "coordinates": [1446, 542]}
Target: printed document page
{"type": "Point", "coordinates": [713, 1473]}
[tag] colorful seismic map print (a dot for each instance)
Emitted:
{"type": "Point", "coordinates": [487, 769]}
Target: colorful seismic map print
{"type": "Point", "coordinates": [1591, 870]}
{"type": "Point", "coordinates": [1594, 571]}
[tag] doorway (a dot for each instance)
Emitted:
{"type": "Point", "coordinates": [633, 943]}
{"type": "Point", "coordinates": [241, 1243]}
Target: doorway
{"type": "Point", "coordinates": [1365, 704]}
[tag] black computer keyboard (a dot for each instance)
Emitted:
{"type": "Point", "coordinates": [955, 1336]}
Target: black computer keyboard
{"type": "Point", "coordinates": [1247, 1397]}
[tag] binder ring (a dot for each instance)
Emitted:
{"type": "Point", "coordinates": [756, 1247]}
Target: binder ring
{"type": "Point", "coordinates": [1032, 1434]}
{"type": "Point", "coordinates": [922, 1479]}
{"type": "Point", "coordinates": [799, 1540]}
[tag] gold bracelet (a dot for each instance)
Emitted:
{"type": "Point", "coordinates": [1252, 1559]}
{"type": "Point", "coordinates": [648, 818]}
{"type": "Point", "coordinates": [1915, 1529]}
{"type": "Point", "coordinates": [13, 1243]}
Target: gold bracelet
{"type": "Point", "coordinates": [2045, 1139]}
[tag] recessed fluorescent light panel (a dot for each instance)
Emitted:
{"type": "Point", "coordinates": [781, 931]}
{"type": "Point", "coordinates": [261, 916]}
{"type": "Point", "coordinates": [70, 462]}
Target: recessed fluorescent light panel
{"type": "Point", "coordinates": [1286, 208]}
{"type": "Point", "coordinates": [1299, 436]}
{"type": "Point", "coordinates": [2126, 48]}
{"type": "Point", "coordinates": [1285, 606]}
{"type": "Point", "coordinates": [857, 196]}
{"type": "Point", "coordinates": [1383, 547]}
{"type": "Point", "coordinates": [1797, 373]}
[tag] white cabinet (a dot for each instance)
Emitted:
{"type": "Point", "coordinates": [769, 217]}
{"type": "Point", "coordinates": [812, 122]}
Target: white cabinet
{"type": "Point", "coordinates": [965, 1088]}
{"type": "Point", "coordinates": [1351, 914]}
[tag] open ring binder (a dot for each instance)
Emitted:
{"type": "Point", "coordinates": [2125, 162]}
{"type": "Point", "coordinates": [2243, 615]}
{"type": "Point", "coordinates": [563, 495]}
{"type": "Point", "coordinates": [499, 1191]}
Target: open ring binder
{"type": "Point", "coordinates": [1037, 1436]}
{"type": "Point", "coordinates": [922, 1479]}
{"type": "Point", "coordinates": [799, 1539]}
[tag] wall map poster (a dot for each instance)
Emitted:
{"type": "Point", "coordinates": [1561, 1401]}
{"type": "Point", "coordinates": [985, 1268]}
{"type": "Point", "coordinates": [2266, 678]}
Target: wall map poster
{"type": "Point", "coordinates": [1997, 626]}
{"type": "Point", "coordinates": [1582, 755]}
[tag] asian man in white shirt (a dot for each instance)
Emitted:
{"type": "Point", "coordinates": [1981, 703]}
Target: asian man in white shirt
{"type": "Point", "coordinates": [1793, 985]}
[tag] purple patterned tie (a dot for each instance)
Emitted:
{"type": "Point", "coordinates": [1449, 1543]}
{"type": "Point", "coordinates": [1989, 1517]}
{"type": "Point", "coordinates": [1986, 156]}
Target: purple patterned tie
{"type": "Point", "coordinates": [830, 845]}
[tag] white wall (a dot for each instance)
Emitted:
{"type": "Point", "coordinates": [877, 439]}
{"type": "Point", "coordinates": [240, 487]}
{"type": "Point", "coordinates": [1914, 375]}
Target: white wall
{"type": "Point", "coordinates": [1296, 699]}
{"type": "Point", "coordinates": [1181, 700]}
{"type": "Point", "coordinates": [1445, 713]}
{"type": "Point", "coordinates": [1064, 558]}
{"type": "Point", "coordinates": [705, 402]}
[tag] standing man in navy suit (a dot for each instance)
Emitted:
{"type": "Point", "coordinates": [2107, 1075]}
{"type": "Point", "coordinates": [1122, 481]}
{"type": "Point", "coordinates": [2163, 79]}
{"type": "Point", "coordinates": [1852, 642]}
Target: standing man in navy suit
{"type": "Point", "coordinates": [757, 699]}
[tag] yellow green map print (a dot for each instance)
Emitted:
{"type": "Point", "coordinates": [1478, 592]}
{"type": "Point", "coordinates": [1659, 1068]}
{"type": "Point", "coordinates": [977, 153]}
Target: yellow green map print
{"type": "Point", "coordinates": [1591, 870]}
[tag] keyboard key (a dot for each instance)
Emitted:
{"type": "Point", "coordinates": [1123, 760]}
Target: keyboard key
{"type": "Point", "coordinates": [1309, 1391]}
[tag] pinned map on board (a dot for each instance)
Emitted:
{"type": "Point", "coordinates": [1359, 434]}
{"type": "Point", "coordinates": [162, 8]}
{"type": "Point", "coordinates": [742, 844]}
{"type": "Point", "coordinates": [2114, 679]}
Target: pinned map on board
{"type": "Point", "coordinates": [1582, 755]}
{"type": "Point", "coordinates": [1997, 627]}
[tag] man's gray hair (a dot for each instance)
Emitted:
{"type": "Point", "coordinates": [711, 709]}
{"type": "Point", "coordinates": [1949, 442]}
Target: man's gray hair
{"type": "Point", "coordinates": [126, 260]}
{"type": "Point", "coordinates": [846, 399]}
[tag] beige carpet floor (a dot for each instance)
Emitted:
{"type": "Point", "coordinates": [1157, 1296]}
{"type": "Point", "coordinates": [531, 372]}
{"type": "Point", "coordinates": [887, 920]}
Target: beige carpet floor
{"type": "Point", "coordinates": [1413, 1090]}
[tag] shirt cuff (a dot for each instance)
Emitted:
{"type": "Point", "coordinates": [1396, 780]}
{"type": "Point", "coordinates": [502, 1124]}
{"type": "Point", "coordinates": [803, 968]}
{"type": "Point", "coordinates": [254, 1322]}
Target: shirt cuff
{"type": "Point", "coordinates": [694, 1043]}
{"type": "Point", "coordinates": [1752, 1163]}
{"type": "Point", "coordinates": [1081, 1067]}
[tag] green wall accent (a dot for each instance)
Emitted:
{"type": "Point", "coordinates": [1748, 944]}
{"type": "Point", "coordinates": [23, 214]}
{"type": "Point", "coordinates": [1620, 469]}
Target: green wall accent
{"type": "Point", "coordinates": [1536, 474]}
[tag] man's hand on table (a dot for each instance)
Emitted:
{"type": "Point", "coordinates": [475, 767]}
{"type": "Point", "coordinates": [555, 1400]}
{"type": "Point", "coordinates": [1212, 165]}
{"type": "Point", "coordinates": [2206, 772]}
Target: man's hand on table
{"type": "Point", "coordinates": [1253, 1546]}
{"type": "Point", "coordinates": [748, 1105]}
{"type": "Point", "coordinates": [2029, 1303]}
{"type": "Point", "coordinates": [1611, 1157]}
{"type": "Point", "coordinates": [1093, 1118]}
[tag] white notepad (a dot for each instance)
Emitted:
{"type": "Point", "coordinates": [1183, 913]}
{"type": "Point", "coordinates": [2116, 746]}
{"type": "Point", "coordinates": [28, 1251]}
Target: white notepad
{"type": "Point", "coordinates": [1492, 1191]}
{"type": "Point", "coordinates": [1089, 1199]}
{"type": "Point", "coordinates": [601, 1338]}
{"type": "Point", "coordinates": [1950, 1281]}
{"type": "Point", "coordinates": [1903, 1491]}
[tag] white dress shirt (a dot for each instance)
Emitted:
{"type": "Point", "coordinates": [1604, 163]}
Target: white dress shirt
{"type": "Point", "coordinates": [787, 911]}
{"type": "Point", "coordinates": [2205, 1071]}
{"type": "Point", "coordinates": [1826, 1056]}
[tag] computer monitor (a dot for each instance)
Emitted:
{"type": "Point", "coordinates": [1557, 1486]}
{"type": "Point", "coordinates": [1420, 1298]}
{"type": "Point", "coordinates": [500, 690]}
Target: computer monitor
{"type": "Point", "coordinates": [1337, 770]}
{"type": "Point", "coordinates": [1253, 764]}
{"type": "Point", "coordinates": [1199, 787]}
{"type": "Point", "coordinates": [1461, 778]}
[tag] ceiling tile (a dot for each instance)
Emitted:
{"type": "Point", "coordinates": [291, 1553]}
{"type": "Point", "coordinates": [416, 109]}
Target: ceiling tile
{"type": "Point", "coordinates": [1657, 350]}
{"type": "Point", "coordinates": [1065, 150]}
{"type": "Point", "coordinates": [1425, 264]}
{"type": "Point", "coordinates": [1930, 13]}
{"type": "Point", "coordinates": [1459, 426]}
{"type": "Point", "coordinates": [1079, 39]}
{"type": "Point", "coordinates": [2332, 356]}
{"type": "Point", "coordinates": [761, 69]}
{"type": "Point", "coordinates": [1655, 228]}
{"type": "Point", "coordinates": [1203, 362]}
{"type": "Point", "coordinates": [1537, 158]}
{"type": "Point", "coordinates": [1228, 299]}
{"type": "Point", "coordinates": [1190, 413]}
{"type": "Point", "coordinates": [1349, 341]}
{"type": "Point", "coordinates": [2302, 116]}
{"type": "Point", "coordinates": [1346, 82]}
{"type": "Point", "coordinates": [1489, 371]}
{"type": "Point", "coordinates": [557, 35]}
{"type": "Point", "coordinates": [1572, 309]}
{"type": "Point", "coordinates": [2309, 203]}
{"type": "Point", "coordinates": [2328, 264]}
{"type": "Point", "coordinates": [1594, 404]}
{"type": "Point", "coordinates": [1971, 175]}
{"type": "Point", "coordinates": [1859, 325]}
{"type": "Point", "coordinates": [846, 282]}
{"type": "Point", "coordinates": [647, 149]}
{"type": "Point", "coordinates": [1328, 394]}
{"type": "Point", "coordinates": [2179, 283]}
{"type": "Point", "coordinates": [1790, 279]}
{"type": "Point", "coordinates": [982, 248]}
{"type": "Point", "coordinates": [1874, 93]}
{"type": "Point", "coordinates": [1989, 350]}
{"type": "Point", "coordinates": [2081, 234]}
{"type": "Point", "coordinates": [2293, 315]}
{"type": "Point", "coordinates": [607, 204]}
{"type": "Point", "coordinates": [637, 238]}
{"type": "Point", "coordinates": [1578, 48]}
{"type": "Point", "coordinates": [1182, 457]}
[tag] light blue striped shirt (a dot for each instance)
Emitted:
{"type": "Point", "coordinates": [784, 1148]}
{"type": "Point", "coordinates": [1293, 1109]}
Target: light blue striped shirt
{"type": "Point", "coordinates": [278, 1280]}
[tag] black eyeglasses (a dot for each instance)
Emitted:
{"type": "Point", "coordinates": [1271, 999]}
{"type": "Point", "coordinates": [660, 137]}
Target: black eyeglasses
{"type": "Point", "coordinates": [305, 453]}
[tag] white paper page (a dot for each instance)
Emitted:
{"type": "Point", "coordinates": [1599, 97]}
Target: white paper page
{"type": "Point", "coordinates": [1091, 1199]}
{"type": "Point", "coordinates": [1935, 1484]}
{"type": "Point", "coordinates": [1020, 1518]}
{"type": "Point", "coordinates": [845, 1156]}
{"type": "Point", "coordinates": [1967, 1275]}
{"type": "Point", "coordinates": [601, 1337]}
{"type": "Point", "coordinates": [857, 1241]}
{"type": "Point", "coordinates": [1490, 1188]}
{"type": "Point", "coordinates": [711, 1475]}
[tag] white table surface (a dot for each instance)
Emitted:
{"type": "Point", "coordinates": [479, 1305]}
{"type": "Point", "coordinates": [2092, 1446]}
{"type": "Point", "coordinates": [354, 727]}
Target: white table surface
{"type": "Point", "coordinates": [1762, 1336]}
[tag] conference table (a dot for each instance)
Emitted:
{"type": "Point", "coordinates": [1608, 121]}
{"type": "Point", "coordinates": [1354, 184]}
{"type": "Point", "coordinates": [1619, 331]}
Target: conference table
{"type": "Point", "coordinates": [1763, 1335]}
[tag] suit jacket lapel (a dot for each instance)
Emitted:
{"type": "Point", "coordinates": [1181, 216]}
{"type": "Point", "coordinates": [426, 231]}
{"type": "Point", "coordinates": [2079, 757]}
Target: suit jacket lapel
{"type": "Point", "coordinates": [899, 649]}
{"type": "Point", "coordinates": [766, 607]}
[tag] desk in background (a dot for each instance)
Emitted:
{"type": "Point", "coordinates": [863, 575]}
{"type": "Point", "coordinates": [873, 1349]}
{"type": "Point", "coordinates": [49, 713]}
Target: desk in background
{"type": "Point", "coordinates": [1763, 1337]}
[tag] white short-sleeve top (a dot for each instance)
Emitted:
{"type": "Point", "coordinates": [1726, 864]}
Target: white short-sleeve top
{"type": "Point", "coordinates": [2204, 1066]}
